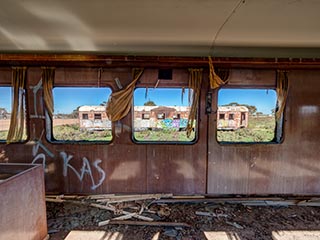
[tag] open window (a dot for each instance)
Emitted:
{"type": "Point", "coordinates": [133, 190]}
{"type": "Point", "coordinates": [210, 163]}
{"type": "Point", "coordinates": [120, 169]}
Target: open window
{"type": "Point", "coordinates": [246, 115]}
{"type": "Point", "coordinates": [80, 114]}
{"type": "Point", "coordinates": [161, 116]}
{"type": "Point", "coordinates": [5, 113]}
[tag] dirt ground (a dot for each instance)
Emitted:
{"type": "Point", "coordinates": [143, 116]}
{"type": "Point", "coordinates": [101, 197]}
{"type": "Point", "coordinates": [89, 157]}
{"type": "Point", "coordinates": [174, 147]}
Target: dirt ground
{"type": "Point", "coordinates": [236, 221]}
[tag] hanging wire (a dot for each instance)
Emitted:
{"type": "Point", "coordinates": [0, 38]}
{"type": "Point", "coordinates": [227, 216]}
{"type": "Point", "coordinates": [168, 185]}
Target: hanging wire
{"type": "Point", "coordinates": [238, 5]}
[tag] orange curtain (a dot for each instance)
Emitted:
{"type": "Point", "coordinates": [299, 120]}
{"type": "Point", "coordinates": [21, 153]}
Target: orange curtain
{"type": "Point", "coordinates": [195, 80]}
{"type": "Point", "coordinates": [282, 92]}
{"type": "Point", "coordinates": [215, 80]}
{"type": "Point", "coordinates": [48, 74]}
{"type": "Point", "coordinates": [119, 103]}
{"type": "Point", "coordinates": [17, 121]}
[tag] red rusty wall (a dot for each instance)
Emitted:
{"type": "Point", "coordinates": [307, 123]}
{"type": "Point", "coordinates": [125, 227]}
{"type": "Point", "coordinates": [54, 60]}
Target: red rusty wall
{"type": "Point", "coordinates": [122, 166]}
{"type": "Point", "coordinates": [291, 167]}
{"type": "Point", "coordinates": [119, 167]}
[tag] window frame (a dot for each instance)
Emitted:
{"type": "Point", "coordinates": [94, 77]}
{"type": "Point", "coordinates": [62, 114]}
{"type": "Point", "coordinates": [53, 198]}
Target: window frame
{"type": "Point", "coordinates": [97, 116]}
{"type": "Point", "coordinates": [49, 123]}
{"type": "Point", "coordinates": [26, 117]}
{"type": "Point", "coordinates": [85, 116]}
{"type": "Point", "coordinates": [276, 129]}
{"type": "Point", "coordinates": [157, 142]}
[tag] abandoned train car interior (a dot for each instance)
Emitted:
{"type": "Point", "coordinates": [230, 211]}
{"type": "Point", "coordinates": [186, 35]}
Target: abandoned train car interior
{"type": "Point", "coordinates": [190, 98]}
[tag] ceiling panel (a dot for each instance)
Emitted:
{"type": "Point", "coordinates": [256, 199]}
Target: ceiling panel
{"type": "Point", "coordinates": [286, 28]}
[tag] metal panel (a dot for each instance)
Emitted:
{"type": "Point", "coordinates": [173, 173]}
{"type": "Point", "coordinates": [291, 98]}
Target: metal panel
{"type": "Point", "coordinates": [126, 167]}
{"type": "Point", "coordinates": [291, 167]}
{"type": "Point", "coordinates": [22, 202]}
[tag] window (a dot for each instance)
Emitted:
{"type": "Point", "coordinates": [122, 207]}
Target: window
{"type": "Point", "coordinates": [5, 113]}
{"type": "Point", "coordinates": [97, 116]}
{"type": "Point", "coordinates": [85, 116]}
{"type": "Point", "coordinates": [161, 116]}
{"type": "Point", "coordinates": [250, 115]}
{"type": "Point", "coordinates": [76, 110]}
{"type": "Point", "coordinates": [221, 116]}
{"type": "Point", "coordinates": [145, 116]}
{"type": "Point", "coordinates": [176, 116]}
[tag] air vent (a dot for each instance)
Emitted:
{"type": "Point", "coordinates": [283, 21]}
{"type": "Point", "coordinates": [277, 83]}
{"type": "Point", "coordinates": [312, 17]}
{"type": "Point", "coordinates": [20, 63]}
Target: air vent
{"type": "Point", "coordinates": [165, 74]}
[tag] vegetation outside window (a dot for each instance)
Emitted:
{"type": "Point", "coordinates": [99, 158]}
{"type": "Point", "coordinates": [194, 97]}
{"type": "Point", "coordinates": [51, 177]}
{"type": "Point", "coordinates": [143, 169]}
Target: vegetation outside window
{"type": "Point", "coordinates": [5, 113]}
{"type": "Point", "coordinates": [80, 114]}
{"type": "Point", "coordinates": [162, 115]}
{"type": "Point", "coordinates": [246, 115]}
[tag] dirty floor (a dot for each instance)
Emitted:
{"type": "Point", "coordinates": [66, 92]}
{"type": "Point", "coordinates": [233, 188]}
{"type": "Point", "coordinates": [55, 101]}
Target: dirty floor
{"type": "Point", "coordinates": [220, 221]}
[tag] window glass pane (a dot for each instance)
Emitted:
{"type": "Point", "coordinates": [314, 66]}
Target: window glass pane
{"type": "Point", "coordinates": [246, 115]}
{"type": "Point", "coordinates": [161, 115]}
{"type": "Point", "coordinates": [5, 113]}
{"type": "Point", "coordinates": [80, 114]}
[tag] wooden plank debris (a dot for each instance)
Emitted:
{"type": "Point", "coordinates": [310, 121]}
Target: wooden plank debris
{"type": "Point", "coordinates": [210, 214]}
{"type": "Point", "coordinates": [155, 224]}
{"type": "Point", "coordinates": [126, 207]}
{"type": "Point", "coordinates": [129, 198]}
{"type": "Point", "coordinates": [95, 201]}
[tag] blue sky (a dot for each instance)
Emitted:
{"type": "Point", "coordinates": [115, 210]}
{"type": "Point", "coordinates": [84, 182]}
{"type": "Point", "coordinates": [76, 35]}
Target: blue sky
{"type": "Point", "coordinates": [5, 98]}
{"type": "Point", "coordinates": [161, 96]}
{"type": "Point", "coordinates": [263, 99]}
{"type": "Point", "coordinates": [66, 99]}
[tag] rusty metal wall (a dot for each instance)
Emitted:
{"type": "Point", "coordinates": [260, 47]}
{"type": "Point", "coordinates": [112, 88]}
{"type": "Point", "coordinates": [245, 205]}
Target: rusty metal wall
{"type": "Point", "coordinates": [204, 167]}
{"type": "Point", "coordinates": [290, 167]}
{"type": "Point", "coordinates": [121, 166]}
{"type": "Point", "coordinates": [22, 203]}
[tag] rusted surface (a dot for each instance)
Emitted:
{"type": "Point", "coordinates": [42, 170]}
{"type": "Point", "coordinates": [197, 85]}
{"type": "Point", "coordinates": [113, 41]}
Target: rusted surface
{"type": "Point", "coordinates": [22, 203]}
{"type": "Point", "coordinates": [291, 167]}
{"type": "Point", "coordinates": [123, 166]}
{"type": "Point", "coordinates": [107, 61]}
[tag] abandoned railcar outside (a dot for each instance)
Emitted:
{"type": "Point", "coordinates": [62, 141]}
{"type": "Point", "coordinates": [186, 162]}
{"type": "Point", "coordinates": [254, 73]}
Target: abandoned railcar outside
{"type": "Point", "coordinates": [93, 118]}
{"type": "Point", "coordinates": [232, 117]}
{"type": "Point", "coordinates": [160, 117]}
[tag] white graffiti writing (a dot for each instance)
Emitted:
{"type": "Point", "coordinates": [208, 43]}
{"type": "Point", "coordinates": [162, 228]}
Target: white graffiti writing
{"type": "Point", "coordinates": [85, 169]}
{"type": "Point", "coordinates": [35, 90]}
{"type": "Point", "coordinates": [40, 156]}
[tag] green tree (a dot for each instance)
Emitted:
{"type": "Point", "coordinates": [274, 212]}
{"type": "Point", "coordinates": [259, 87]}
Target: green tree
{"type": "Point", "coordinates": [252, 109]}
{"type": "Point", "coordinates": [104, 103]}
{"type": "Point", "coordinates": [150, 103]}
{"type": "Point", "coordinates": [273, 111]}
{"type": "Point", "coordinates": [75, 113]}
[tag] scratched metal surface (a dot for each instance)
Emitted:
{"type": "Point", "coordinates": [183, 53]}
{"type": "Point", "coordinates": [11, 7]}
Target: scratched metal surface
{"type": "Point", "coordinates": [22, 203]}
{"type": "Point", "coordinates": [205, 167]}
{"type": "Point", "coordinates": [291, 167]}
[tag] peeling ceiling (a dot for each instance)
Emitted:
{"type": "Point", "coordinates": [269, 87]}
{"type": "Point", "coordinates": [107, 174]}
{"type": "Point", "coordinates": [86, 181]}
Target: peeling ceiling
{"type": "Point", "coordinates": [231, 28]}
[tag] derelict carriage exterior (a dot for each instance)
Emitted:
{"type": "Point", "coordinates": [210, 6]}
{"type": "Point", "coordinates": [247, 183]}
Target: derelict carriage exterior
{"type": "Point", "coordinates": [160, 117]}
{"type": "Point", "coordinates": [94, 118]}
{"type": "Point", "coordinates": [232, 117]}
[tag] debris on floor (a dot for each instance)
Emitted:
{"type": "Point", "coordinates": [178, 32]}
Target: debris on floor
{"type": "Point", "coordinates": [172, 217]}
